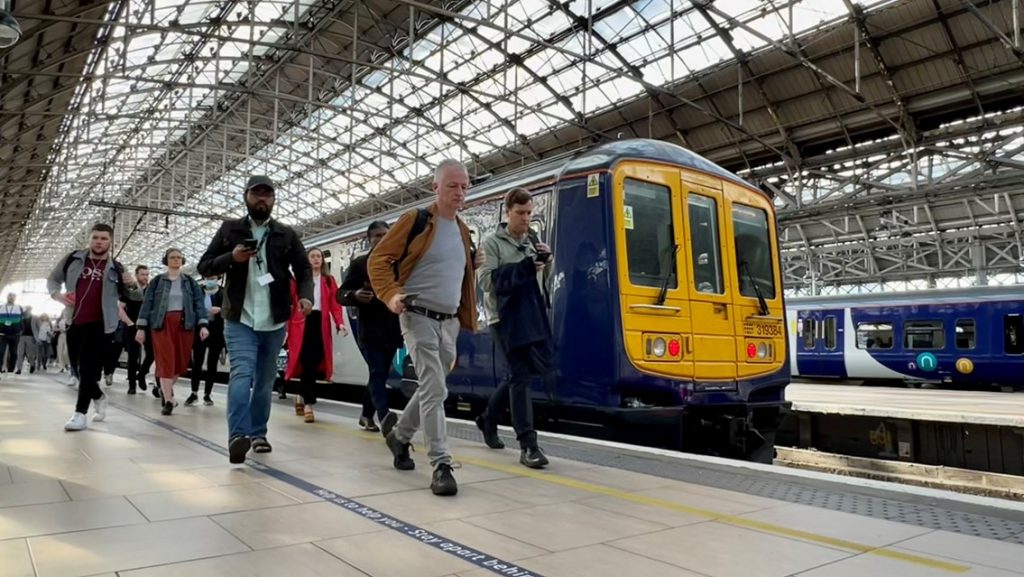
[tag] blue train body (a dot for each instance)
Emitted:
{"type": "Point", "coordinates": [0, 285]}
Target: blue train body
{"type": "Point", "coordinates": [965, 337]}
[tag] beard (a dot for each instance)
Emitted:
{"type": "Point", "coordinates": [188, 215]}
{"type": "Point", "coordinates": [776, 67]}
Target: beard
{"type": "Point", "coordinates": [258, 212]}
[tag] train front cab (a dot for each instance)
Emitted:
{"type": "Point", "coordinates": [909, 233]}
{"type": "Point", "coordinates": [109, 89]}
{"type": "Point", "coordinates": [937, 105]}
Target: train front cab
{"type": "Point", "coordinates": [690, 249]}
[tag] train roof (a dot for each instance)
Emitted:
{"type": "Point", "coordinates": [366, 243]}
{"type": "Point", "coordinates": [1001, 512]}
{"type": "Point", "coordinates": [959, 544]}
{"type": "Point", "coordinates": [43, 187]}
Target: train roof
{"type": "Point", "coordinates": [598, 158]}
{"type": "Point", "coordinates": [925, 297]}
{"type": "Point", "coordinates": [607, 155]}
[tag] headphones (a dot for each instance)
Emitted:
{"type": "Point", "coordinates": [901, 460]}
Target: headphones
{"type": "Point", "coordinates": [169, 251]}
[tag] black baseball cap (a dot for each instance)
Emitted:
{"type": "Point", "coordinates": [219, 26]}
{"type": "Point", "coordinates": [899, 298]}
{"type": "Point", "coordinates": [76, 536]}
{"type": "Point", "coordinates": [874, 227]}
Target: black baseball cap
{"type": "Point", "coordinates": [259, 180]}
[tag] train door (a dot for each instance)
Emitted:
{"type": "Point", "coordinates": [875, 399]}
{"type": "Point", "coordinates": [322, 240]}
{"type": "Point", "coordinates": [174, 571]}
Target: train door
{"type": "Point", "coordinates": [820, 343]}
{"type": "Point", "coordinates": [712, 309]}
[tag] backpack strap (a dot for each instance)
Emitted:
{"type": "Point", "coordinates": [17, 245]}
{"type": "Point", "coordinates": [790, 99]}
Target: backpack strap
{"type": "Point", "coordinates": [422, 218]}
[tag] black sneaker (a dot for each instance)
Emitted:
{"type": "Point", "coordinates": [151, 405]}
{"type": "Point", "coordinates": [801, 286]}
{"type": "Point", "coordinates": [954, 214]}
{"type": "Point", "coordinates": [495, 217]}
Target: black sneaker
{"type": "Point", "coordinates": [32, 370]}
{"type": "Point", "coordinates": [533, 458]}
{"type": "Point", "coordinates": [156, 391]}
{"type": "Point", "coordinates": [131, 390]}
{"type": "Point", "coordinates": [490, 431]}
{"type": "Point", "coordinates": [142, 384]}
{"type": "Point", "coordinates": [191, 400]}
{"type": "Point", "coordinates": [403, 462]}
{"type": "Point", "coordinates": [208, 401]}
{"type": "Point", "coordinates": [261, 445]}
{"type": "Point", "coordinates": [368, 424]}
{"type": "Point", "coordinates": [237, 448]}
{"type": "Point", "coordinates": [387, 424]}
{"type": "Point", "coordinates": [168, 407]}
{"type": "Point", "coordinates": [443, 483]}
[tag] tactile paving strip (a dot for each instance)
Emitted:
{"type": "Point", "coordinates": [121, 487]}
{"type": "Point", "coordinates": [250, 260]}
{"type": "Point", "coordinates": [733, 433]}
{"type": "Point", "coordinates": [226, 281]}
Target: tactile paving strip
{"type": "Point", "coordinates": [788, 490]}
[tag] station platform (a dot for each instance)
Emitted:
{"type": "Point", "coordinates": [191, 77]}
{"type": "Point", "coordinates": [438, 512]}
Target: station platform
{"type": "Point", "coordinates": [143, 495]}
{"type": "Point", "coordinates": [971, 407]}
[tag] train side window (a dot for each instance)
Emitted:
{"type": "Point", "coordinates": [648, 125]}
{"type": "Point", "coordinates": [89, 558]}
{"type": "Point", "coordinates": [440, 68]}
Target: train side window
{"type": "Point", "coordinates": [966, 333]}
{"type": "Point", "coordinates": [650, 236]}
{"type": "Point", "coordinates": [918, 335]}
{"type": "Point", "coordinates": [874, 336]}
{"type": "Point", "coordinates": [830, 333]}
{"type": "Point", "coordinates": [707, 263]}
{"type": "Point", "coordinates": [1013, 334]}
{"type": "Point", "coordinates": [807, 330]}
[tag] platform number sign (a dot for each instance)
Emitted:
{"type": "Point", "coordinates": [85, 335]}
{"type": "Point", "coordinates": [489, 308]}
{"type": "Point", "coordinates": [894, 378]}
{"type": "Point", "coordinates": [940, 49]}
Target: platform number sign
{"type": "Point", "coordinates": [927, 362]}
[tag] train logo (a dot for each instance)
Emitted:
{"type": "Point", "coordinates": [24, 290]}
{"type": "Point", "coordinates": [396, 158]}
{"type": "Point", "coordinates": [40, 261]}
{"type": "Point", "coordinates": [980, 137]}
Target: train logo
{"type": "Point", "coordinates": [927, 362]}
{"type": "Point", "coordinates": [965, 366]}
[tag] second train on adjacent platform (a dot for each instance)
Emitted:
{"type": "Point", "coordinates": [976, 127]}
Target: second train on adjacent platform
{"type": "Point", "coordinates": [666, 296]}
{"type": "Point", "coordinates": [971, 337]}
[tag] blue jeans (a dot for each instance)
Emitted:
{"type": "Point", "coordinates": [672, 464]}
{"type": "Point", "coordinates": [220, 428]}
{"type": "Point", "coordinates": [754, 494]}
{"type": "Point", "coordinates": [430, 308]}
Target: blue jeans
{"type": "Point", "coordinates": [253, 358]}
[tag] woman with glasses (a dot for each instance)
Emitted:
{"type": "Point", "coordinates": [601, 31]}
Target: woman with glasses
{"type": "Point", "coordinates": [172, 308]}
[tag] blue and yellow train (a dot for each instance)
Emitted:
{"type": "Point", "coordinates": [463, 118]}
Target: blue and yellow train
{"type": "Point", "coordinates": [666, 296]}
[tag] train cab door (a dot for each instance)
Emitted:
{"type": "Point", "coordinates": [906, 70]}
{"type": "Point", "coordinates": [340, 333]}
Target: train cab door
{"type": "Point", "coordinates": [820, 344]}
{"type": "Point", "coordinates": [712, 309]}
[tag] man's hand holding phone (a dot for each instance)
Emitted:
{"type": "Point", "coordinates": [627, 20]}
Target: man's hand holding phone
{"type": "Point", "coordinates": [244, 250]}
{"type": "Point", "coordinates": [543, 255]}
{"type": "Point", "coordinates": [400, 301]}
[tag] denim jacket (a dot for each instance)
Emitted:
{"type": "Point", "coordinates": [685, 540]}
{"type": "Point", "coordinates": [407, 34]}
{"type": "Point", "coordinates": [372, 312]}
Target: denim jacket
{"type": "Point", "coordinates": [66, 274]}
{"type": "Point", "coordinates": [154, 304]}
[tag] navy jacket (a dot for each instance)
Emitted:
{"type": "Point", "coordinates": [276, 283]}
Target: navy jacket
{"type": "Point", "coordinates": [522, 307]}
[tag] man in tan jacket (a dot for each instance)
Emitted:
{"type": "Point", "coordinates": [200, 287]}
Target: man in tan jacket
{"type": "Point", "coordinates": [426, 277]}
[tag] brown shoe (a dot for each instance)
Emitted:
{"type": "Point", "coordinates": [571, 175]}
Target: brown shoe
{"type": "Point", "coordinates": [300, 408]}
{"type": "Point", "coordinates": [309, 415]}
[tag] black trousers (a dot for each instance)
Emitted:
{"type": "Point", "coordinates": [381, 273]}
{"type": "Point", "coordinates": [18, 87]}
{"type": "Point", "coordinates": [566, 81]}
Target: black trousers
{"type": "Point", "coordinates": [9, 349]}
{"type": "Point", "coordinates": [134, 352]}
{"type": "Point", "coordinates": [514, 390]}
{"type": "Point", "coordinates": [311, 355]}
{"type": "Point", "coordinates": [114, 353]}
{"type": "Point", "coordinates": [375, 397]}
{"type": "Point", "coordinates": [87, 346]}
{"type": "Point", "coordinates": [209, 350]}
{"type": "Point", "coordinates": [147, 362]}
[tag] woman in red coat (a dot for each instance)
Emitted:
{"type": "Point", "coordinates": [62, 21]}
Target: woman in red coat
{"type": "Point", "coordinates": [310, 338]}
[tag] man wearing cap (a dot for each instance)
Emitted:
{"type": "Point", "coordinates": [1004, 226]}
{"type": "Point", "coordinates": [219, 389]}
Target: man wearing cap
{"type": "Point", "coordinates": [254, 254]}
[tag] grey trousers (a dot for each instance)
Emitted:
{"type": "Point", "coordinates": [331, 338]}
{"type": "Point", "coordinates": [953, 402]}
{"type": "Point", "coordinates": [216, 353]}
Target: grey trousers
{"type": "Point", "coordinates": [431, 344]}
{"type": "Point", "coordinates": [26, 350]}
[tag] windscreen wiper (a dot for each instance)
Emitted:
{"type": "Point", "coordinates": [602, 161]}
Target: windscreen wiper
{"type": "Point", "coordinates": [663, 293]}
{"type": "Point", "coordinates": [763, 304]}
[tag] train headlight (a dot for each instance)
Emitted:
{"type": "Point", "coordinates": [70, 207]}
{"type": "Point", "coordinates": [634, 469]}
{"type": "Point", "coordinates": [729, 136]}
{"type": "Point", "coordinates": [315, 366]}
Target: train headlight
{"type": "Point", "coordinates": [762, 350]}
{"type": "Point", "coordinates": [658, 347]}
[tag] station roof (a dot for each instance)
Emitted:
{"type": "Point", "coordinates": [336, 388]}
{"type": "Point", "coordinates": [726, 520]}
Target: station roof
{"type": "Point", "coordinates": [888, 132]}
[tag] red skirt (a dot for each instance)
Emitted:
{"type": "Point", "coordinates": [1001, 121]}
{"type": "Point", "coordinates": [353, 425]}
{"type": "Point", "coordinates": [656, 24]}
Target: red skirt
{"type": "Point", "coordinates": [172, 347]}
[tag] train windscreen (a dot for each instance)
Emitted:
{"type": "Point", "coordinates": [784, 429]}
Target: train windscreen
{"type": "Point", "coordinates": [753, 251]}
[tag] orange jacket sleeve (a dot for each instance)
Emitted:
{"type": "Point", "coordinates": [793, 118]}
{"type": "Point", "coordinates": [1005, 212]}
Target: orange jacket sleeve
{"type": "Point", "coordinates": [382, 276]}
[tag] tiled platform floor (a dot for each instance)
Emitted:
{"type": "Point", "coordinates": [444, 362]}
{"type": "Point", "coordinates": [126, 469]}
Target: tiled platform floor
{"type": "Point", "coordinates": [130, 498]}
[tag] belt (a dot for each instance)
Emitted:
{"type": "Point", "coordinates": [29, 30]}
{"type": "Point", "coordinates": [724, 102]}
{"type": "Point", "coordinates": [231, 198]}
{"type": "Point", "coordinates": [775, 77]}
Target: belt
{"type": "Point", "coordinates": [429, 313]}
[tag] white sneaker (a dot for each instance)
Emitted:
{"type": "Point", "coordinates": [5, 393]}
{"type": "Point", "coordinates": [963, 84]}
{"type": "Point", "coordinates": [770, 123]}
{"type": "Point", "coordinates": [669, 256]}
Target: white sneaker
{"type": "Point", "coordinates": [73, 382]}
{"type": "Point", "coordinates": [76, 423]}
{"type": "Point", "coordinates": [110, 380]}
{"type": "Point", "coordinates": [101, 409]}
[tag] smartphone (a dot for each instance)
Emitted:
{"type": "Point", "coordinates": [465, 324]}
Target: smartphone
{"type": "Point", "coordinates": [543, 257]}
{"type": "Point", "coordinates": [249, 243]}
{"type": "Point", "coordinates": [410, 298]}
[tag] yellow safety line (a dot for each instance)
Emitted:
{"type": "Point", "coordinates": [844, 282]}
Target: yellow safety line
{"type": "Point", "coordinates": [737, 521]}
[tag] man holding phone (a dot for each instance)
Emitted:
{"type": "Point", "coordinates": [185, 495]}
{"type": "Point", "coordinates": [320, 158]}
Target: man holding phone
{"type": "Point", "coordinates": [257, 256]}
{"type": "Point", "coordinates": [427, 278]}
{"type": "Point", "coordinates": [512, 279]}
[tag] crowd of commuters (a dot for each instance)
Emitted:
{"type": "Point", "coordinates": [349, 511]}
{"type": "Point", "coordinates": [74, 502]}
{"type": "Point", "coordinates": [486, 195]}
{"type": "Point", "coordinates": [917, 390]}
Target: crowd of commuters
{"type": "Point", "coordinates": [261, 290]}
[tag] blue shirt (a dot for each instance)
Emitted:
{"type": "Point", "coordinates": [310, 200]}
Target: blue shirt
{"type": "Point", "coordinates": [256, 311]}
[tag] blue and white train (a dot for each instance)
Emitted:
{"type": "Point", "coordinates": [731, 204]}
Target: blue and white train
{"type": "Point", "coordinates": [961, 337]}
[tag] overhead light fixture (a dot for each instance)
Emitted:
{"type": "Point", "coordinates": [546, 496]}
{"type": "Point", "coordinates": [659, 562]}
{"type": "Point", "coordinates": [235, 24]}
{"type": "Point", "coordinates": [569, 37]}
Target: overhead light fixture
{"type": "Point", "coordinates": [10, 31]}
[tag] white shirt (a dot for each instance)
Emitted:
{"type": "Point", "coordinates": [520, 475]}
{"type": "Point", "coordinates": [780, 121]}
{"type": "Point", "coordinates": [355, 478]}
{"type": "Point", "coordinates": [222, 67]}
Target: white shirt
{"type": "Point", "coordinates": [316, 293]}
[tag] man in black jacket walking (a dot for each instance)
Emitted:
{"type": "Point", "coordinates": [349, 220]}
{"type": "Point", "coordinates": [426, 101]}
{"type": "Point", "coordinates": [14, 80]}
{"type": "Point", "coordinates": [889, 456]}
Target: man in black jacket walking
{"type": "Point", "coordinates": [257, 256]}
{"type": "Point", "coordinates": [379, 334]}
{"type": "Point", "coordinates": [511, 277]}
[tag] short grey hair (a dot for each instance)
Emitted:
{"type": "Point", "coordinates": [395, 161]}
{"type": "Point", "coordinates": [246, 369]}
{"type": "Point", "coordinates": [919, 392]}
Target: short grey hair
{"type": "Point", "coordinates": [445, 164]}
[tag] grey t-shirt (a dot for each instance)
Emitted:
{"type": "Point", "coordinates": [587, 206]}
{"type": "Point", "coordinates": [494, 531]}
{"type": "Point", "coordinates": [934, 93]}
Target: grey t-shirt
{"type": "Point", "coordinates": [437, 276]}
{"type": "Point", "coordinates": [175, 299]}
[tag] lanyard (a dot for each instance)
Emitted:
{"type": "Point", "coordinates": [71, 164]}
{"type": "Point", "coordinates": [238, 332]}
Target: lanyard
{"type": "Point", "coordinates": [261, 243]}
